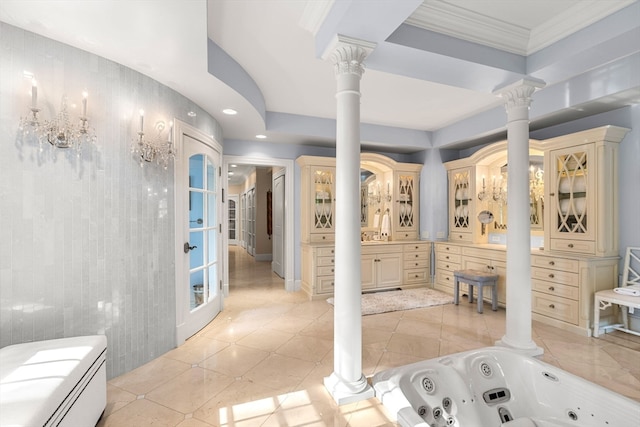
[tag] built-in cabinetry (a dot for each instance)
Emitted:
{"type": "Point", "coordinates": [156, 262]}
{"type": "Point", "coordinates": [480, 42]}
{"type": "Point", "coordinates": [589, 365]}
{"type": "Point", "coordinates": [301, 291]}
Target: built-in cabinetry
{"type": "Point", "coordinates": [577, 200]}
{"type": "Point", "coordinates": [385, 265]}
{"type": "Point", "coordinates": [391, 254]}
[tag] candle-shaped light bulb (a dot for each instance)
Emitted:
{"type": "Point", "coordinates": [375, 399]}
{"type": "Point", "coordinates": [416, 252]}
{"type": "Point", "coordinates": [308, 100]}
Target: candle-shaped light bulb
{"type": "Point", "coordinates": [170, 131]}
{"type": "Point", "coordinates": [34, 93]}
{"type": "Point", "coordinates": [141, 120]}
{"type": "Point", "coordinates": [482, 181]}
{"type": "Point", "coordinates": [84, 103]}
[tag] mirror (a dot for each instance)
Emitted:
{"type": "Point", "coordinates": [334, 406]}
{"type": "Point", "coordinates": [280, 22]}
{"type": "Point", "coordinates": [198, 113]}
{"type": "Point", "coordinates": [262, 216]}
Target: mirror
{"type": "Point", "coordinates": [497, 191]}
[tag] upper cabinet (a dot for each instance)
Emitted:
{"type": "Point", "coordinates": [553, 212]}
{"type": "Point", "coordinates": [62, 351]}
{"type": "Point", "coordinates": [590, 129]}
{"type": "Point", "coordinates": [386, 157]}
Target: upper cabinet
{"type": "Point", "coordinates": [318, 191]}
{"type": "Point", "coordinates": [389, 198]}
{"type": "Point", "coordinates": [582, 192]}
{"type": "Point", "coordinates": [407, 202]}
{"type": "Point", "coordinates": [573, 192]}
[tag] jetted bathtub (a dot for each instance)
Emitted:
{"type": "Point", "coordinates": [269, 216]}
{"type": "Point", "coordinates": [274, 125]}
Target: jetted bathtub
{"type": "Point", "coordinates": [496, 386]}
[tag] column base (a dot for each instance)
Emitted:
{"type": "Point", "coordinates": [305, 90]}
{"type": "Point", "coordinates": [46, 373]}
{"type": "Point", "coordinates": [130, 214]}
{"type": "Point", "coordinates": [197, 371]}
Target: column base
{"type": "Point", "coordinates": [530, 349]}
{"type": "Point", "coordinates": [344, 393]}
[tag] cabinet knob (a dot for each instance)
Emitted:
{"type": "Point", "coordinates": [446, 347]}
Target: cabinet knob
{"type": "Point", "coordinates": [570, 245]}
{"type": "Point", "coordinates": [417, 275]}
{"type": "Point", "coordinates": [447, 265]}
{"type": "Point", "coordinates": [446, 248]}
{"type": "Point", "coordinates": [447, 257]}
{"type": "Point", "coordinates": [417, 264]}
{"type": "Point", "coordinates": [552, 306]}
{"type": "Point", "coordinates": [331, 283]}
{"type": "Point", "coordinates": [417, 247]}
{"type": "Point", "coordinates": [551, 288]}
{"type": "Point", "coordinates": [551, 276]}
{"type": "Point", "coordinates": [332, 261]}
{"type": "Point", "coordinates": [332, 270]}
{"type": "Point", "coordinates": [552, 194]}
{"type": "Point", "coordinates": [324, 237]}
{"type": "Point", "coordinates": [552, 263]}
{"type": "Point", "coordinates": [417, 256]}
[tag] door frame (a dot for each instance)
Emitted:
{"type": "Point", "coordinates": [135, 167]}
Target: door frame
{"type": "Point", "coordinates": [235, 198]}
{"type": "Point", "coordinates": [184, 330]}
{"type": "Point", "coordinates": [288, 165]}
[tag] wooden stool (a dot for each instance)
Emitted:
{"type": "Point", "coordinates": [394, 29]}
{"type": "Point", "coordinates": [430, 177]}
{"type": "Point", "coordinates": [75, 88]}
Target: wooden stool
{"type": "Point", "coordinates": [476, 278]}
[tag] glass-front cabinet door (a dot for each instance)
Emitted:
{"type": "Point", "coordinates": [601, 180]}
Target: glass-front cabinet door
{"type": "Point", "coordinates": [405, 213]}
{"type": "Point", "coordinates": [460, 206]}
{"type": "Point", "coordinates": [571, 193]}
{"type": "Point", "coordinates": [323, 209]}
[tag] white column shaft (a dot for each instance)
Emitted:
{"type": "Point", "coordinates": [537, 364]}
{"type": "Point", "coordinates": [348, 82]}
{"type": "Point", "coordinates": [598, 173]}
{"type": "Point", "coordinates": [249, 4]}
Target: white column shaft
{"type": "Point", "coordinates": [347, 383]}
{"type": "Point", "coordinates": [518, 317]}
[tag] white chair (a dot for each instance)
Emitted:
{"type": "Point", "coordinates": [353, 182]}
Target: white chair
{"type": "Point", "coordinates": [626, 300]}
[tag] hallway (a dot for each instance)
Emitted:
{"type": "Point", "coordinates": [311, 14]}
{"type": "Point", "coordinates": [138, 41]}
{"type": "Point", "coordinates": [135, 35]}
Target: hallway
{"type": "Point", "coordinates": [262, 361]}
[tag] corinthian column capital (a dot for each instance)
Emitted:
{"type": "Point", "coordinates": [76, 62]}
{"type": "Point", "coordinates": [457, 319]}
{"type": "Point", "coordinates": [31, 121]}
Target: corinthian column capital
{"type": "Point", "coordinates": [519, 93]}
{"type": "Point", "coordinates": [348, 55]}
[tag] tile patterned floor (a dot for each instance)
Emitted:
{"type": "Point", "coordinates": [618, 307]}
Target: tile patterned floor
{"type": "Point", "coordinates": [262, 361]}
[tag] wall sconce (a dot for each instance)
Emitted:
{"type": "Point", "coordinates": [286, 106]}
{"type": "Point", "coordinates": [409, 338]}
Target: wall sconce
{"type": "Point", "coordinates": [158, 148]}
{"type": "Point", "coordinates": [60, 132]}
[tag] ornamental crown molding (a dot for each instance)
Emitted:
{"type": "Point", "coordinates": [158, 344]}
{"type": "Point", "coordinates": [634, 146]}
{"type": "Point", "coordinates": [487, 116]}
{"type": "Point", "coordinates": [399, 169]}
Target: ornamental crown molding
{"type": "Point", "coordinates": [456, 21]}
{"type": "Point", "coordinates": [341, 42]}
{"type": "Point", "coordinates": [518, 94]}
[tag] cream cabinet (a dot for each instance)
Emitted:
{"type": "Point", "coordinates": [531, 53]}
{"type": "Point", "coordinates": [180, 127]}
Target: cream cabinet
{"type": "Point", "coordinates": [488, 260]}
{"type": "Point", "coordinates": [406, 206]}
{"type": "Point", "coordinates": [381, 266]}
{"type": "Point", "coordinates": [385, 265]}
{"type": "Point", "coordinates": [461, 206]}
{"type": "Point", "coordinates": [318, 193]}
{"type": "Point", "coordinates": [582, 192]}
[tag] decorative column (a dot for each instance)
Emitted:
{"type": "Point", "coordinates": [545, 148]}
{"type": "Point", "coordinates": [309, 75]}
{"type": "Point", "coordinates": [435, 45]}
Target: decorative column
{"type": "Point", "coordinates": [517, 99]}
{"type": "Point", "coordinates": [347, 383]}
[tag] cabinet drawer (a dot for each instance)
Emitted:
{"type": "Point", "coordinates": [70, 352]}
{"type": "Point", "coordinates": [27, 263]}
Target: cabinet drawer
{"type": "Point", "coordinates": [325, 285]}
{"type": "Point", "coordinates": [447, 265]}
{"type": "Point", "coordinates": [325, 251]}
{"type": "Point", "coordinates": [554, 276]}
{"type": "Point", "coordinates": [452, 249]}
{"type": "Point", "coordinates": [578, 246]}
{"type": "Point", "coordinates": [558, 308]}
{"type": "Point", "coordinates": [448, 257]}
{"type": "Point", "coordinates": [417, 247]}
{"type": "Point", "coordinates": [416, 256]}
{"type": "Point", "coordinates": [456, 236]}
{"type": "Point", "coordinates": [416, 276]}
{"type": "Point", "coordinates": [571, 292]}
{"type": "Point", "coordinates": [417, 263]}
{"type": "Point", "coordinates": [380, 248]}
{"type": "Point", "coordinates": [486, 254]}
{"type": "Point", "coordinates": [327, 270]}
{"type": "Point", "coordinates": [325, 260]}
{"type": "Point", "coordinates": [319, 238]}
{"type": "Point", "coordinates": [554, 263]}
{"type": "Point", "coordinates": [445, 277]}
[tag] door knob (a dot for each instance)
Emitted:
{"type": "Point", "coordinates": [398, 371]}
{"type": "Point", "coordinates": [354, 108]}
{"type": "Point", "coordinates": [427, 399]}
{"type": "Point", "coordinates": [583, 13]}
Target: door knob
{"type": "Point", "coordinates": [188, 248]}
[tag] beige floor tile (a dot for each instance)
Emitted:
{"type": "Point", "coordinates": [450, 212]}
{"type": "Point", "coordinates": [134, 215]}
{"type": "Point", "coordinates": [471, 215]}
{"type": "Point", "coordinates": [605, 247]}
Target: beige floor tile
{"type": "Point", "coordinates": [306, 348]}
{"type": "Point", "coordinates": [143, 413]}
{"type": "Point", "coordinates": [234, 360]}
{"type": "Point", "coordinates": [266, 339]}
{"type": "Point", "coordinates": [189, 390]}
{"type": "Point", "coordinates": [147, 377]}
{"type": "Point", "coordinates": [252, 369]}
{"type": "Point", "coordinates": [280, 372]}
{"type": "Point", "coordinates": [196, 349]}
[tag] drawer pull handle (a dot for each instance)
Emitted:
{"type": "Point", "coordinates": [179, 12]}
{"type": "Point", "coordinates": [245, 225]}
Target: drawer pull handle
{"type": "Point", "coordinates": [324, 237]}
{"type": "Point", "coordinates": [551, 288]}
{"type": "Point", "coordinates": [447, 257]}
{"type": "Point", "coordinates": [570, 245]}
{"type": "Point", "coordinates": [332, 270]}
{"type": "Point", "coordinates": [332, 251]}
{"type": "Point", "coordinates": [417, 264]}
{"type": "Point", "coordinates": [552, 263]}
{"type": "Point", "coordinates": [552, 194]}
{"type": "Point", "coordinates": [331, 283]}
{"type": "Point", "coordinates": [331, 261]}
{"type": "Point", "coordinates": [417, 247]}
{"type": "Point", "coordinates": [448, 279]}
{"type": "Point", "coordinates": [447, 248]}
{"type": "Point", "coordinates": [551, 276]}
{"type": "Point", "coordinates": [552, 306]}
{"type": "Point", "coordinates": [417, 275]}
{"type": "Point", "coordinates": [447, 266]}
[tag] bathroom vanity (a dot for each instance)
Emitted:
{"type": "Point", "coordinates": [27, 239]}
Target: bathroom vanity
{"type": "Point", "coordinates": [391, 254]}
{"type": "Point", "coordinates": [573, 202]}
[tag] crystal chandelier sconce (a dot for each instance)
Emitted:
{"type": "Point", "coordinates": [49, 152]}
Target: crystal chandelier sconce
{"type": "Point", "coordinates": [497, 193]}
{"type": "Point", "coordinates": [61, 131]}
{"type": "Point", "coordinates": [158, 148]}
{"type": "Point", "coordinates": [536, 182]}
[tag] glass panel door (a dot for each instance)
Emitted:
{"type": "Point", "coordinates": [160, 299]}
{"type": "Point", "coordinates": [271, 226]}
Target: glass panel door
{"type": "Point", "coordinates": [203, 225]}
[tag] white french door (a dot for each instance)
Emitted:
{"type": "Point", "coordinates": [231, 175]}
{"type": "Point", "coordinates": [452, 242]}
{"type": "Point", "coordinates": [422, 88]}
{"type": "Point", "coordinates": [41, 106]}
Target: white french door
{"type": "Point", "coordinates": [198, 216]}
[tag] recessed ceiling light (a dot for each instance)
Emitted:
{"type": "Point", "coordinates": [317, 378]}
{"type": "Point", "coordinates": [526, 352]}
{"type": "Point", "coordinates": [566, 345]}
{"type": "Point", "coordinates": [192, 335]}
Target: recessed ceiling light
{"type": "Point", "coordinates": [230, 173]}
{"type": "Point", "coordinates": [191, 114]}
{"type": "Point", "coordinates": [234, 166]}
{"type": "Point", "coordinates": [230, 111]}
{"type": "Point", "coordinates": [260, 136]}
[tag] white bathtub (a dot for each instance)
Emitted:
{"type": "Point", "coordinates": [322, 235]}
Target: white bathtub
{"type": "Point", "coordinates": [495, 386]}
